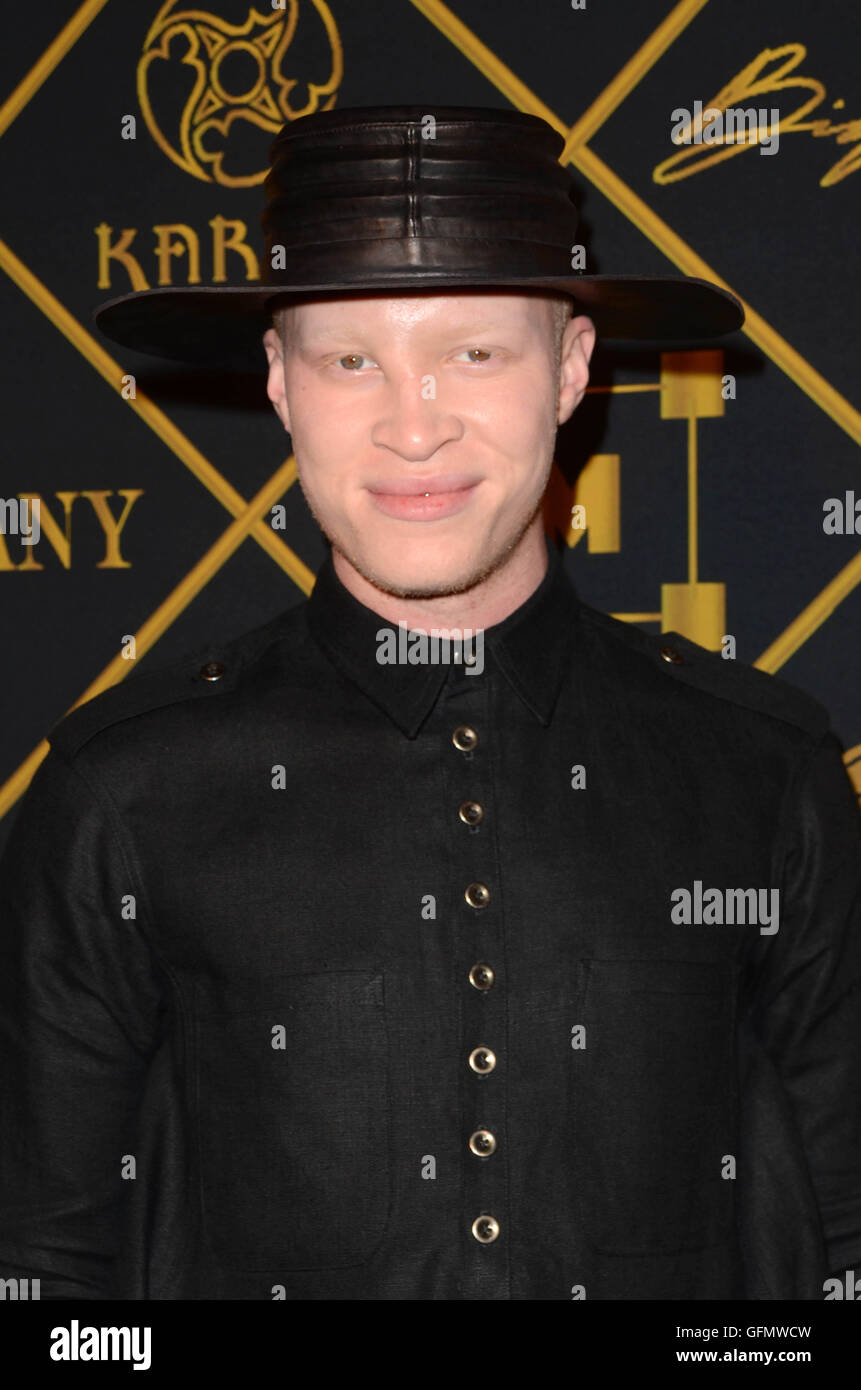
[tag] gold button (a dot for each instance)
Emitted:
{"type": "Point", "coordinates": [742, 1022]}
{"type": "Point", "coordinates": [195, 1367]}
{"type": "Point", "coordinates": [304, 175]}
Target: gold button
{"type": "Point", "coordinates": [212, 671]}
{"type": "Point", "coordinates": [482, 1143]}
{"type": "Point", "coordinates": [482, 1060]}
{"type": "Point", "coordinates": [481, 976]}
{"type": "Point", "coordinates": [464, 738]}
{"type": "Point", "coordinates": [671, 654]}
{"type": "Point", "coordinates": [471, 812]}
{"type": "Point", "coordinates": [485, 1229]}
{"type": "Point", "coordinates": [477, 894]}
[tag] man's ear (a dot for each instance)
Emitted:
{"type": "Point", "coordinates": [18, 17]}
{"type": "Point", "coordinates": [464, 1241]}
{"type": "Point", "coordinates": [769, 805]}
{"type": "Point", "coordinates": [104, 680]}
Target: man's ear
{"type": "Point", "coordinates": [578, 343]}
{"type": "Point", "coordinates": [275, 381]}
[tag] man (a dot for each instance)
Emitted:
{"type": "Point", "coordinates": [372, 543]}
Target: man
{"type": "Point", "coordinates": [342, 965]}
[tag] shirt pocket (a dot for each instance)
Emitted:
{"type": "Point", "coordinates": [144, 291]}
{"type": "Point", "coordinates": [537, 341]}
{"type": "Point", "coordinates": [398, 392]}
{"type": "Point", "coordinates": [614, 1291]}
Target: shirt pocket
{"type": "Point", "coordinates": [293, 1119]}
{"type": "Point", "coordinates": [654, 1105]}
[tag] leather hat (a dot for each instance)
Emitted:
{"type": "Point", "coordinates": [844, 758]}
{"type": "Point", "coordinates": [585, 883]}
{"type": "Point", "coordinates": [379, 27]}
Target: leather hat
{"type": "Point", "coordinates": [403, 198]}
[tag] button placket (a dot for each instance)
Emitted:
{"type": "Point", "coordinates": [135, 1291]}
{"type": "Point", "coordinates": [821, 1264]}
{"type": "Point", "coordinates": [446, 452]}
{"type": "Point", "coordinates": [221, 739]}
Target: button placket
{"type": "Point", "coordinates": [479, 981]}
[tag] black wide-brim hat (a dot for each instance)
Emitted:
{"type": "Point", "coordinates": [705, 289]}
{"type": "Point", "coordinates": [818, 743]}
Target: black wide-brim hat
{"type": "Point", "coordinates": [407, 198]}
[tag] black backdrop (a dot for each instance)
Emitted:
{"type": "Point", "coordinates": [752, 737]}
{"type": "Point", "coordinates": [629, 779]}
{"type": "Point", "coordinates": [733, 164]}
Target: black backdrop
{"type": "Point", "coordinates": [187, 455]}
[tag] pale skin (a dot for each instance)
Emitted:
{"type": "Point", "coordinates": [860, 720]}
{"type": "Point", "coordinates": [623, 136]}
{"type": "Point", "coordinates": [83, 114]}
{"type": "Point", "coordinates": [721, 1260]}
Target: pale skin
{"type": "Point", "coordinates": [398, 389]}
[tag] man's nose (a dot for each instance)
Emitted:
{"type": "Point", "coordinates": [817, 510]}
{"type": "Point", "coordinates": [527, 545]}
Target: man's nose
{"type": "Point", "coordinates": [413, 421]}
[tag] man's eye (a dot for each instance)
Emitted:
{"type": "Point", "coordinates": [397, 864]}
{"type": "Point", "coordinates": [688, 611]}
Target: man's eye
{"type": "Point", "coordinates": [351, 361]}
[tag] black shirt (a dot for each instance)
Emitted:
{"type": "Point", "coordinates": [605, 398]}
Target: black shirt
{"type": "Point", "coordinates": [324, 978]}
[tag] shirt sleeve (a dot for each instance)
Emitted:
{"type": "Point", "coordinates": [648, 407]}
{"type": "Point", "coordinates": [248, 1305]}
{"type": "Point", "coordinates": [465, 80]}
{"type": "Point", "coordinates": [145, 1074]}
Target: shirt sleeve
{"type": "Point", "coordinates": [80, 1004]}
{"type": "Point", "coordinates": [807, 1010]}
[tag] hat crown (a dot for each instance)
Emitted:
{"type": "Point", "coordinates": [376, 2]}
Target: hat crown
{"type": "Point", "coordinates": [453, 189]}
{"type": "Point", "coordinates": [402, 199]}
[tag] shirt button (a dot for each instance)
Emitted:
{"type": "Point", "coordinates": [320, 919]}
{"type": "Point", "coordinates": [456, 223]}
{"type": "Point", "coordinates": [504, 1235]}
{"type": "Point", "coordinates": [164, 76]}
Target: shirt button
{"type": "Point", "coordinates": [481, 976]}
{"type": "Point", "coordinates": [477, 894]}
{"type": "Point", "coordinates": [671, 654]}
{"type": "Point", "coordinates": [212, 671]}
{"type": "Point", "coordinates": [482, 1143]}
{"type": "Point", "coordinates": [482, 1060]}
{"type": "Point", "coordinates": [485, 1229]}
{"type": "Point", "coordinates": [464, 738]}
{"type": "Point", "coordinates": [471, 812]}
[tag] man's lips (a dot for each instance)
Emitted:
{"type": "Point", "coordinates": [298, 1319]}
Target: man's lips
{"type": "Point", "coordinates": [423, 499]}
{"type": "Point", "coordinates": [417, 487]}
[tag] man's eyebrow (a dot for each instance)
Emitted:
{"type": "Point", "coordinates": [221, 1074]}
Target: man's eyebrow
{"type": "Point", "coordinates": [310, 337]}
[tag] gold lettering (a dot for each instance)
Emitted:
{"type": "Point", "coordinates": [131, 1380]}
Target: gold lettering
{"type": "Point", "coordinates": [849, 131]}
{"type": "Point", "coordinates": [598, 490]}
{"type": "Point", "coordinates": [120, 252]}
{"type": "Point", "coordinates": [235, 241]}
{"type": "Point", "coordinates": [753, 81]}
{"type": "Point", "coordinates": [596, 508]}
{"type": "Point", "coordinates": [111, 527]}
{"type": "Point", "coordinates": [60, 541]}
{"type": "Point", "coordinates": [165, 249]}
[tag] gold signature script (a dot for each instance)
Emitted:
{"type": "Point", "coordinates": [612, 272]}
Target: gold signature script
{"type": "Point", "coordinates": [755, 81]}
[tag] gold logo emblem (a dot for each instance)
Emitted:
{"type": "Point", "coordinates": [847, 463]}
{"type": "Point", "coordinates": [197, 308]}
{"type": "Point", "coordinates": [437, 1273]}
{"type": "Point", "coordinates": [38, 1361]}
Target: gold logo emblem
{"type": "Point", "coordinates": [209, 89]}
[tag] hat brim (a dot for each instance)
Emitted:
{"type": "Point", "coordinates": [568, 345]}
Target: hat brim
{"type": "Point", "coordinates": [222, 325]}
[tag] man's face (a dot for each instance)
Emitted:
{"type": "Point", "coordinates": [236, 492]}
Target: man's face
{"type": "Point", "coordinates": [391, 396]}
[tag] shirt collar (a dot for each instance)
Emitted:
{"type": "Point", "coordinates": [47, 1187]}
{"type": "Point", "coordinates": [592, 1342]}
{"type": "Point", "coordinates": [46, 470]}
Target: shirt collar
{"type": "Point", "coordinates": [531, 647]}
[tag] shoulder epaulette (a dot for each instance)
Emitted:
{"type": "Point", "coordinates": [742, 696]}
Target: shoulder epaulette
{"type": "Point", "coordinates": [741, 684]}
{"type": "Point", "coordinates": [203, 673]}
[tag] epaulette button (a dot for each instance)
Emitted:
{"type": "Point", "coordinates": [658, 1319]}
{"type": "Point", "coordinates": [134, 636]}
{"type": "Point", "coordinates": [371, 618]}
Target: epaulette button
{"type": "Point", "coordinates": [212, 671]}
{"type": "Point", "coordinates": [671, 654]}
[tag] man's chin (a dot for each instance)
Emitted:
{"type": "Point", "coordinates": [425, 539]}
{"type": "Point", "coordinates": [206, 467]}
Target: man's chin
{"type": "Point", "coordinates": [420, 581]}
{"type": "Point", "coordinates": [420, 572]}
{"type": "Point", "coordinates": [431, 568]}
